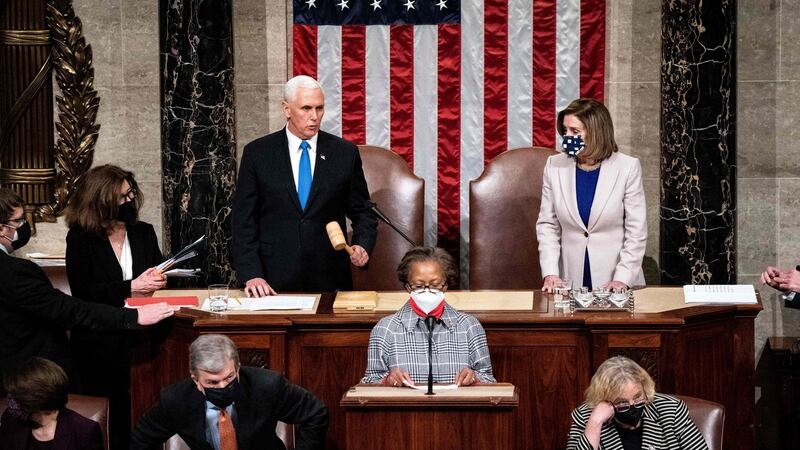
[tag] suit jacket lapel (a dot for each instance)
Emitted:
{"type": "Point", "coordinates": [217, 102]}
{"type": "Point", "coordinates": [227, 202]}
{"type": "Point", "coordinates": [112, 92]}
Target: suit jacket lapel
{"type": "Point", "coordinates": [196, 411]}
{"type": "Point", "coordinates": [137, 252]}
{"type": "Point", "coordinates": [566, 177]}
{"type": "Point", "coordinates": [285, 168]}
{"type": "Point", "coordinates": [115, 270]}
{"type": "Point", "coordinates": [321, 166]}
{"type": "Point", "coordinates": [609, 173]}
{"type": "Point", "coordinates": [652, 428]}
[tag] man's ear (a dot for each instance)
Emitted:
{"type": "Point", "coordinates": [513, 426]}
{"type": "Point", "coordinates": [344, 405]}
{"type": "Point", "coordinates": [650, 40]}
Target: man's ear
{"type": "Point", "coordinates": [285, 108]}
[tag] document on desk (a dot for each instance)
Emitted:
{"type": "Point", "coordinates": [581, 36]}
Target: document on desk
{"type": "Point", "coordinates": [275, 302]}
{"type": "Point", "coordinates": [720, 293]}
{"type": "Point", "coordinates": [436, 387]}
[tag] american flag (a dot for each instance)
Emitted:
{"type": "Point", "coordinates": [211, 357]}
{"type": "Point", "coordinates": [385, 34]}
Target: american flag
{"type": "Point", "coordinates": [449, 84]}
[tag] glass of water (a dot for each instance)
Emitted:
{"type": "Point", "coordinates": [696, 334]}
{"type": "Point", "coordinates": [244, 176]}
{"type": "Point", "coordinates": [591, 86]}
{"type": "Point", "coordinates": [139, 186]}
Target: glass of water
{"type": "Point", "coordinates": [619, 297]}
{"type": "Point", "coordinates": [218, 297]}
{"type": "Point", "coordinates": [561, 293]}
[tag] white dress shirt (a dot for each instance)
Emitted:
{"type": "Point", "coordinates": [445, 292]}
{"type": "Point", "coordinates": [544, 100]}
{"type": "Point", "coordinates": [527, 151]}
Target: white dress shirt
{"type": "Point", "coordinates": [126, 260]}
{"type": "Point", "coordinates": [295, 152]}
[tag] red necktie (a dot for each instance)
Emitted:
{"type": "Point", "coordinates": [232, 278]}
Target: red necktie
{"type": "Point", "coordinates": [227, 435]}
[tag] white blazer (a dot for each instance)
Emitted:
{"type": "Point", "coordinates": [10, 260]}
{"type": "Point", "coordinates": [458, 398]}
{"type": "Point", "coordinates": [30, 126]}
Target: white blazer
{"type": "Point", "coordinates": [617, 232]}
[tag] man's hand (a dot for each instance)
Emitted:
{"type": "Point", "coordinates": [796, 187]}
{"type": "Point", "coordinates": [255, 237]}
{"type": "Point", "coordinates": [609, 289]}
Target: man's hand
{"type": "Point", "coordinates": [550, 282]}
{"type": "Point", "coordinates": [359, 257]}
{"type": "Point", "coordinates": [258, 287]}
{"type": "Point", "coordinates": [788, 281]}
{"type": "Point", "coordinates": [769, 276]}
{"type": "Point", "coordinates": [396, 378]}
{"type": "Point", "coordinates": [466, 377]}
{"type": "Point", "coordinates": [614, 284]}
{"type": "Point", "coordinates": [151, 314]}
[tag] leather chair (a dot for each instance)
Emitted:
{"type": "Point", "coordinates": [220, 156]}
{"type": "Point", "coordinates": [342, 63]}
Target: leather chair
{"type": "Point", "coordinates": [94, 408]}
{"type": "Point", "coordinates": [709, 418]}
{"type": "Point", "coordinates": [503, 208]}
{"type": "Point", "coordinates": [284, 430]}
{"type": "Point", "coordinates": [399, 194]}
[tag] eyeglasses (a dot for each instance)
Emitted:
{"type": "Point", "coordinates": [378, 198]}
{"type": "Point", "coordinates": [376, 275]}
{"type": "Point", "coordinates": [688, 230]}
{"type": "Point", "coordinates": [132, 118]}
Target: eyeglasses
{"type": "Point", "coordinates": [21, 221]}
{"type": "Point", "coordinates": [432, 288]}
{"type": "Point", "coordinates": [621, 407]}
{"type": "Point", "coordinates": [129, 196]}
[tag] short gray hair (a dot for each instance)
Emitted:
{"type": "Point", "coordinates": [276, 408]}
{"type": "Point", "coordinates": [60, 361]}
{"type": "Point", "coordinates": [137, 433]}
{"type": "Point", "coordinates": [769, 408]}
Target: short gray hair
{"type": "Point", "coordinates": [210, 352]}
{"type": "Point", "coordinates": [299, 82]}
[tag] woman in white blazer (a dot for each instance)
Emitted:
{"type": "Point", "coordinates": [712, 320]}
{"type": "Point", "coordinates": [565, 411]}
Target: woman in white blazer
{"type": "Point", "coordinates": [592, 225]}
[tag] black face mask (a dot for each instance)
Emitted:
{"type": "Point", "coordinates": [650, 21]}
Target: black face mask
{"type": "Point", "coordinates": [23, 236]}
{"type": "Point", "coordinates": [223, 397]}
{"type": "Point", "coordinates": [631, 417]}
{"type": "Point", "coordinates": [127, 213]}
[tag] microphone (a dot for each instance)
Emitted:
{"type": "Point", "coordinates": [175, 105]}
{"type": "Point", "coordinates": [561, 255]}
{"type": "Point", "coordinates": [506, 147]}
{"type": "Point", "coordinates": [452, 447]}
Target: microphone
{"type": "Point", "coordinates": [430, 322]}
{"type": "Point", "coordinates": [374, 207]}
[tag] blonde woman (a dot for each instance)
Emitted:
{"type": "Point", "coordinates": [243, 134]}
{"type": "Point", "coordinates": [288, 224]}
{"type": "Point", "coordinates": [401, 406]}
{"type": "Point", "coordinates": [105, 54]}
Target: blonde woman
{"type": "Point", "coordinates": [622, 411]}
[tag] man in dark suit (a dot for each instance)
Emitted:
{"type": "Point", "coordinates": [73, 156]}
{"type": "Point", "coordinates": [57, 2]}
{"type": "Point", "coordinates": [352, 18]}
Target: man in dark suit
{"type": "Point", "coordinates": [34, 314]}
{"type": "Point", "coordinates": [291, 183]}
{"type": "Point", "coordinates": [224, 406]}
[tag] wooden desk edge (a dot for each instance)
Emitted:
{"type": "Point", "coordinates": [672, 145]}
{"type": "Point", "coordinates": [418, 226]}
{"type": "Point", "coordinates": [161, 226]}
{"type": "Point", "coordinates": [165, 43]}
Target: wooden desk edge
{"type": "Point", "coordinates": [434, 401]}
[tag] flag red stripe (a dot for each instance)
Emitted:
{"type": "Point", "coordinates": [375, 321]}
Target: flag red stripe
{"type": "Point", "coordinates": [401, 81]}
{"type": "Point", "coordinates": [495, 78]}
{"type": "Point", "coordinates": [449, 138]}
{"type": "Point", "coordinates": [354, 49]}
{"type": "Point", "coordinates": [593, 43]}
{"type": "Point", "coordinates": [304, 56]}
{"type": "Point", "coordinates": [544, 72]}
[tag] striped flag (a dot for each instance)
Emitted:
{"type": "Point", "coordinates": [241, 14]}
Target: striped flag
{"type": "Point", "coordinates": [449, 84]}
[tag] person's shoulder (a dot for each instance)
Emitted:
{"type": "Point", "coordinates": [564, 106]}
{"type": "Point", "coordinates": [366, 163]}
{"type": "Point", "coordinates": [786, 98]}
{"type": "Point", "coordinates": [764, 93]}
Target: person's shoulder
{"type": "Point", "coordinates": [333, 141]}
{"type": "Point", "coordinates": [258, 379]}
{"type": "Point", "coordinates": [624, 159]}
{"type": "Point", "coordinates": [142, 227]}
{"type": "Point", "coordinates": [580, 415]}
{"type": "Point", "coordinates": [77, 422]}
{"type": "Point", "coordinates": [265, 142]}
{"type": "Point", "coordinates": [559, 159]}
{"type": "Point", "coordinates": [18, 264]}
{"type": "Point", "coordinates": [664, 402]}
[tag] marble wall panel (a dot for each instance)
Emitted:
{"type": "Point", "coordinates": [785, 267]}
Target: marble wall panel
{"type": "Point", "coordinates": [757, 39]}
{"type": "Point", "coordinates": [757, 219]}
{"type": "Point", "coordinates": [197, 129]}
{"type": "Point", "coordinates": [786, 130]}
{"type": "Point", "coordinates": [757, 149]}
{"type": "Point", "coordinates": [789, 44]}
{"type": "Point", "coordinates": [698, 142]}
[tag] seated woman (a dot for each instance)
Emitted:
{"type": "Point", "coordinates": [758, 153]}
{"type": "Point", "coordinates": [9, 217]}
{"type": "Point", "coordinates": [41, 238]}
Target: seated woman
{"type": "Point", "coordinates": [37, 417]}
{"type": "Point", "coordinates": [111, 256]}
{"type": "Point", "coordinates": [398, 345]}
{"type": "Point", "coordinates": [623, 411]}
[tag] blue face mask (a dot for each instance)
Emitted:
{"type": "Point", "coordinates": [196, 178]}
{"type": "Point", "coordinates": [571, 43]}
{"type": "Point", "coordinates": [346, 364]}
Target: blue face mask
{"type": "Point", "coordinates": [572, 145]}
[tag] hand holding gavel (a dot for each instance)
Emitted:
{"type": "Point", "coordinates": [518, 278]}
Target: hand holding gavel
{"type": "Point", "coordinates": [358, 256]}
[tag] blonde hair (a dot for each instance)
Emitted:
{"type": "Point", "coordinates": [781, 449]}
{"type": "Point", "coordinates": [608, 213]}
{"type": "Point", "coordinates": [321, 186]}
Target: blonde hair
{"type": "Point", "coordinates": [611, 377]}
{"type": "Point", "coordinates": [596, 119]}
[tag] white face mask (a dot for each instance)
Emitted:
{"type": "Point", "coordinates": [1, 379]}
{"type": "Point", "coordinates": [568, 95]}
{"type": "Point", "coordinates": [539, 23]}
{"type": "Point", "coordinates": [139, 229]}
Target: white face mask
{"type": "Point", "coordinates": [427, 300]}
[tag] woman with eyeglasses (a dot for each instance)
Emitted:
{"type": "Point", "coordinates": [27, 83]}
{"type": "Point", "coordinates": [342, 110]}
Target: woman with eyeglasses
{"type": "Point", "coordinates": [622, 411]}
{"type": "Point", "coordinates": [111, 256]}
{"type": "Point", "coordinates": [398, 345]}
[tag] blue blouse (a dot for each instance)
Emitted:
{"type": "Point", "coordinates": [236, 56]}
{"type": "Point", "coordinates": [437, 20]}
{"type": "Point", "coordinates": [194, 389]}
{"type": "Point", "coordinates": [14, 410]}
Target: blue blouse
{"type": "Point", "coordinates": [585, 186]}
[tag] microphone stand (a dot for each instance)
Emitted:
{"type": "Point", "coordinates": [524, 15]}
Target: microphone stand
{"type": "Point", "coordinates": [430, 321]}
{"type": "Point", "coordinates": [374, 207]}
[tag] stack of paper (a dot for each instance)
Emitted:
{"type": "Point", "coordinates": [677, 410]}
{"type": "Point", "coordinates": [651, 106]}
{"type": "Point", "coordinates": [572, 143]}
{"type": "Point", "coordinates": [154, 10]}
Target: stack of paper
{"type": "Point", "coordinates": [275, 302]}
{"type": "Point", "coordinates": [720, 293]}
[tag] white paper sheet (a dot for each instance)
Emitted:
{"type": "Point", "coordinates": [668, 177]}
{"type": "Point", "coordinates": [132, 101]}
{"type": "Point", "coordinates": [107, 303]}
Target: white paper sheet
{"type": "Point", "coordinates": [720, 293]}
{"type": "Point", "coordinates": [424, 387]}
{"type": "Point", "coordinates": [275, 302]}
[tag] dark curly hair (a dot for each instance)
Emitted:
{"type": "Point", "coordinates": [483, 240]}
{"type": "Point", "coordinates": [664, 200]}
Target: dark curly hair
{"type": "Point", "coordinates": [423, 254]}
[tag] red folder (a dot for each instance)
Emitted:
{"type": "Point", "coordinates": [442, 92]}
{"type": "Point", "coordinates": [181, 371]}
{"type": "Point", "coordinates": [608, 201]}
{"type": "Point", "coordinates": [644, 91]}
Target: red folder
{"type": "Point", "coordinates": [190, 300]}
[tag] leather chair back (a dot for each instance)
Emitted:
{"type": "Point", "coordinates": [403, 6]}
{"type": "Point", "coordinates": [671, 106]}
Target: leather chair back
{"type": "Point", "coordinates": [94, 408]}
{"type": "Point", "coordinates": [709, 418]}
{"type": "Point", "coordinates": [284, 430]}
{"type": "Point", "coordinates": [503, 208]}
{"type": "Point", "coordinates": [399, 194]}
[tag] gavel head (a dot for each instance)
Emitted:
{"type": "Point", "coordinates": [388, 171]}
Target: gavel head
{"type": "Point", "coordinates": [335, 235]}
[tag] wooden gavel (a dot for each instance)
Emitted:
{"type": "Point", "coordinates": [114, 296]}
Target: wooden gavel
{"type": "Point", "coordinates": [337, 237]}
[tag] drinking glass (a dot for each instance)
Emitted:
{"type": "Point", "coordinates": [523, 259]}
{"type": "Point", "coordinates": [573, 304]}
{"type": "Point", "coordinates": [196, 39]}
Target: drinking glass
{"type": "Point", "coordinates": [619, 297]}
{"type": "Point", "coordinates": [218, 297]}
{"type": "Point", "coordinates": [583, 297]}
{"type": "Point", "coordinates": [561, 293]}
{"type": "Point", "coordinates": [601, 294]}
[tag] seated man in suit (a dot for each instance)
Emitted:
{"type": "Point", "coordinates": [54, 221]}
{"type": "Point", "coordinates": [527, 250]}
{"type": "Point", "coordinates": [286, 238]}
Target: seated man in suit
{"type": "Point", "coordinates": [787, 281]}
{"type": "Point", "coordinates": [34, 314]}
{"type": "Point", "coordinates": [224, 406]}
{"type": "Point", "coordinates": [291, 183]}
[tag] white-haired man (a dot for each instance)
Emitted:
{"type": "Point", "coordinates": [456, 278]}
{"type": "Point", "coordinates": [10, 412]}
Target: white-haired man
{"type": "Point", "coordinates": [291, 183]}
{"type": "Point", "coordinates": [227, 407]}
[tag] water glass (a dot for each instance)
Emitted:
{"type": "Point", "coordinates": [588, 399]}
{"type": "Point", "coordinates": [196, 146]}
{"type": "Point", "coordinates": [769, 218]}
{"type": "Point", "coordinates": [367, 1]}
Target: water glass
{"type": "Point", "coordinates": [583, 297]}
{"type": "Point", "coordinates": [561, 293]}
{"type": "Point", "coordinates": [218, 297]}
{"type": "Point", "coordinates": [601, 294]}
{"type": "Point", "coordinates": [619, 297]}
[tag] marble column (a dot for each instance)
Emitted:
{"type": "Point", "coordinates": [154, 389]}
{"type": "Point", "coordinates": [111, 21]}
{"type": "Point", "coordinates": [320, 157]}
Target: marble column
{"type": "Point", "coordinates": [698, 142]}
{"type": "Point", "coordinates": [198, 158]}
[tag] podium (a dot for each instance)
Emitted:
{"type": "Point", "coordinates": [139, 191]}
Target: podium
{"type": "Point", "coordinates": [388, 418]}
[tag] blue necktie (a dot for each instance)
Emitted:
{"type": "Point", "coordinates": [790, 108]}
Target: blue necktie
{"type": "Point", "coordinates": [304, 175]}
